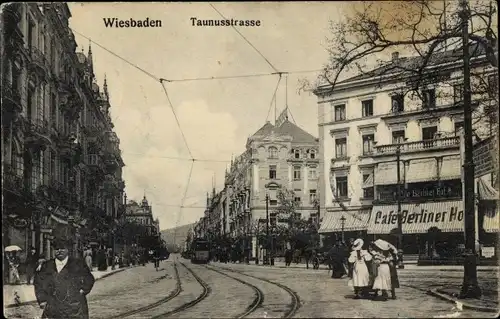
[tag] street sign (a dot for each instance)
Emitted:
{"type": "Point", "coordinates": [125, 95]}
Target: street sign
{"type": "Point", "coordinates": [485, 156]}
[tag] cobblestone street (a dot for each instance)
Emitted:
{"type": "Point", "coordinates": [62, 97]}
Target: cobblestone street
{"type": "Point", "coordinates": [320, 296]}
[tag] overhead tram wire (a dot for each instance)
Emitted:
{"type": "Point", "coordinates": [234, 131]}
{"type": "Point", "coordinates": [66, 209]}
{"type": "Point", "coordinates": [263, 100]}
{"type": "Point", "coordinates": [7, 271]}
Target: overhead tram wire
{"type": "Point", "coordinates": [185, 195]}
{"type": "Point", "coordinates": [260, 53]}
{"type": "Point", "coordinates": [177, 158]}
{"type": "Point", "coordinates": [176, 119]}
{"type": "Point", "coordinates": [118, 56]}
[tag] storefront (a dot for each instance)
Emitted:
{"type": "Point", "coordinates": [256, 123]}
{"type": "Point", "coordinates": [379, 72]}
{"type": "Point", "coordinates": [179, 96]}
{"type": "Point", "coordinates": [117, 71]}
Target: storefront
{"type": "Point", "coordinates": [338, 225]}
{"type": "Point", "coordinates": [488, 220]}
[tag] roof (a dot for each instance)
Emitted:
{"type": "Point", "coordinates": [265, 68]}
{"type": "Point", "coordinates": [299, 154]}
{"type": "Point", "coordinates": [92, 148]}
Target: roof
{"type": "Point", "coordinates": [413, 62]}
{"type": "Point", "coordinates": [298, 135]}
{"type": "Point", "coordinates": [287, 128]}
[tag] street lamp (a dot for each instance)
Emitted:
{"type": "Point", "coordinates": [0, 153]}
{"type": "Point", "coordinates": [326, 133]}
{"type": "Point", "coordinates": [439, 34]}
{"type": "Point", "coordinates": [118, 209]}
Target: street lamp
{"type": "Point", "coordinates": [398, 198]}
{"type": "Point", "coordinates": [72, 141]}
{"type": "Point", "coordinates": [266, 260]}
{"type": "Point", "coordinates": [342, 224]}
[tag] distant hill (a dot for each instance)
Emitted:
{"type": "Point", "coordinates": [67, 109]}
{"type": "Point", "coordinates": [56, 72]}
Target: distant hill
{"type": "Point", "coordinates": [176, 236]}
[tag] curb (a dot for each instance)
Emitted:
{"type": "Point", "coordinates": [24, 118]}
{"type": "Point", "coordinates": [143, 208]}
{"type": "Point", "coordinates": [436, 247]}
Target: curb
{"type": "Point", "coordinates": [34, 302]}
{"type": "Point", "coordinates": [446, 297]}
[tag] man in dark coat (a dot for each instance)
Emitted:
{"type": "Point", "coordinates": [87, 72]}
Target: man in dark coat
{"type": "Point", "coordinates": [31, 265]}
{"type": "Point", "coordinates": [62, 284]}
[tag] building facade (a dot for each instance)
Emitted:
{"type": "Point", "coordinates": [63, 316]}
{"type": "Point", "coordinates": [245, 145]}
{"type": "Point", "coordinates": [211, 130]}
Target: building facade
{"type": "Point", "coordinates": [142, 214]}
{"type": "Point", "coordinates": [280, 156]}
{"type": "Point", "coordinates": [370, 125]}
{"type": "Point", "coordinates": [61, 159]}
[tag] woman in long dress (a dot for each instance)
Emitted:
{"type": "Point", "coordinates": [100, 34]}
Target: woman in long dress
{"type": "Point", "coordinates": [382, 258]}
{"type": "Point", "coordinates": [360, 274]}
{"type": "Point", "coordinates": [394, 272]}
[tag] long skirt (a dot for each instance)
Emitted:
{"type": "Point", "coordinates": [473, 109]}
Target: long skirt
{"type": "Point", "coordinates": [383, 279]}
{"type": "Point", "coordinates": [394, 276]}
{"type": "Point", "coordinates": [360, 274]}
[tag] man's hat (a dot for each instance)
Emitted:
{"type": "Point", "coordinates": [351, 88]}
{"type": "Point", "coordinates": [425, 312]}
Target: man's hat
{"type": "Point", "coordinates": [61, 242]}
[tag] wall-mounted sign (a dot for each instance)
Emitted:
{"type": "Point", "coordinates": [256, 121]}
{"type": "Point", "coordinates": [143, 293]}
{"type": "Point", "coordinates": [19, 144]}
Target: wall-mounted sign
{"type": "Point", "coordinates": [435, 190]}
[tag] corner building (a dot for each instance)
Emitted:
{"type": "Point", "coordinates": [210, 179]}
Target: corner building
{"type": "Point", "coordinates": [368, 124]}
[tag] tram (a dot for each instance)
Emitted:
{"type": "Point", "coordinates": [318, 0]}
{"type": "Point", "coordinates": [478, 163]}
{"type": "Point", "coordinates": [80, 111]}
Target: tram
{"type": "Point", "coordinates": [200, 251]}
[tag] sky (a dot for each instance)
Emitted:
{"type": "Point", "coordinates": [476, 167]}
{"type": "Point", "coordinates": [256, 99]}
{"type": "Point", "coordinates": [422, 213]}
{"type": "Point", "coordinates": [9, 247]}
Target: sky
{"type": "Point", "coordinates": [216, 116]}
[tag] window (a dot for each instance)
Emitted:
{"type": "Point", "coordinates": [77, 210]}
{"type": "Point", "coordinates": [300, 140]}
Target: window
{"type": "Point", "coordinates": [273, 202]}
{"type": "Point", "coordinates": [273, 152]}
{"type": "Point", "coordinates": [398, 137]}
{"type": "Point", "coordinates": [429, 98]}
{"type": "Point", "coordinates": [398, 104]}
{"type": "Point", "coordinates": [341, 147]}
{"type": "Point", "coordinates": [340, 112]}
{"type": "Point", "coordinates": [29, 111]}
{"type": "Point", "coordinates": [368, 144]}
{"type": "Point", "coordinates": [31, 33]}
{"type": "Point", "coordinates": [272, 171]}
{"type": "Point", "coordinates": [297, 199]}
{"type": "Point", "coordinates": [341, 186]}
{"type": "Point", "coordinates": [313, 218]}
{"type": "Point", "coordinates": [367, 191]}
{"type": "Point", "coordinates": [296, 173]}
{"type": "Point", "coordinates": [312, 196]}
{"type": "Point", "coordinates": [458, 93]}
{"type": "Point", "coordinates": [312, 154]}
{"type": "Point", "coordinates": [53, 110]}
{"type": "Point", "coordinates": [458, 126]}
{"type": "Point", "coordinates": [313, 173]}
{"type": "Point", "coordinates": [272, 218]}
{"type": "Point", "coordinates": [296, 153]}
{"type": "Point", "coordinates": [428, 133]}
{"type": "Point", "coordinates": [367, 108]}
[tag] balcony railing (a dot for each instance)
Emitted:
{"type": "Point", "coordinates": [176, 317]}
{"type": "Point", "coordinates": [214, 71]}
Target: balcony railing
{"type": "Point", "coordinates": [12, 181]}
{"type": "Point", "coordinates": [11, 95]}
{"type": "Point", "coordinates": [434, 144]}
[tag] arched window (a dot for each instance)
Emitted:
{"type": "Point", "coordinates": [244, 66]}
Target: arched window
{"type": "Point", "coordinates": [273, 152]}
{"type": "Point", "coordinates": [296, 153]}
{"type": "Point", "coordinates": [312, 154]}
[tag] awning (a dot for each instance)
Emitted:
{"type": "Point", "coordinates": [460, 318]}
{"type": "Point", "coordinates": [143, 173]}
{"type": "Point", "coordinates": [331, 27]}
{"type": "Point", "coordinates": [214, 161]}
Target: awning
{"type": "Point", "coordinates": [421, 170]}
{"type": "Point", "coordinates": [386, 173]}
{"type": "Point", "coordinates": [451, 168]}
{"type": "Point", "coordinates": [354, 221]}
{"type": "Point", "coordinates": [368, 182]}
{"type": "Point", "coordinates": [448, 216]}
{"type": "Point", "coordinates": [486, 191]}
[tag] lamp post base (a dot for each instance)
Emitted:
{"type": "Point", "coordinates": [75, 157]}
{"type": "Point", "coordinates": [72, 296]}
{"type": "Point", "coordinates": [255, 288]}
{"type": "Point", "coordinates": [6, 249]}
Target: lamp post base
{"type": "Point", "coordinates": [470, 286]}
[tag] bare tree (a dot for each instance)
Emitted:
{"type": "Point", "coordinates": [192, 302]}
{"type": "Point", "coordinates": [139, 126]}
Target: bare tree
{"type": "Point", "coordinates": [427, 32]}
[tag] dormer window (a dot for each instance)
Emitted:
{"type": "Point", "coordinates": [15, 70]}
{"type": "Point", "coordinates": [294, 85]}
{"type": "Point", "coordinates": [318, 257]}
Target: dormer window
{"type": "Point", "coordinates": [312, 154]}
{"type": "Point", "coordinates": [296, 154]}
{"type": "Point", "coordinates": [273, 152]}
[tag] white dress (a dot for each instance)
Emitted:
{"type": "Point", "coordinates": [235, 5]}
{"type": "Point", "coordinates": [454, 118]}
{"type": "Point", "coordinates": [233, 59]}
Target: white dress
{"type": "Point", "coordinates": [360, 274]}
{"type": "Point", "coordinates": [383, 279]}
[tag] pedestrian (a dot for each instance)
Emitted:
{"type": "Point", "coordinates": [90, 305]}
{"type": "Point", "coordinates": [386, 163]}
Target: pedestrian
{"type": "Point", "coordinates": [382, 257]}
{"type": "Point", "coordinates": [358, 260]}
{"type": "Point", "coordinates": [87, 255]}
{"type": "Point", "coordinates": [13, 262]}
{"type": "Point", "coordinates": [62, 284]}
{"type": "Point", "coordinates": [394, 272]}
{"type": "Point", "coordinates": [336, 255]}
{"type": "Point", "coordinates": [31, 265]}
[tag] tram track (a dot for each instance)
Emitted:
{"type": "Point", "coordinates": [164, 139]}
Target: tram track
{"type": "Point", "coordinates": [259, 295]}
{"type": "Point", "coordinates": [295, 304]}
{"type": "Point", "coordinates": [172, 295]}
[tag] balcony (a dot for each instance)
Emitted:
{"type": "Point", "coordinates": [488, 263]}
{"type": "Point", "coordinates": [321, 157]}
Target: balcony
{"type": "Point", "coordinates": [12, 182]}
{"type": "Point", "coordinates": [38, 62]}
{"type": "Point", "coordinates": [37, 133]}
{"type": "Point", "coordinates": [418, 146]}
{"type": "Point", "coordinates": [12, 17]}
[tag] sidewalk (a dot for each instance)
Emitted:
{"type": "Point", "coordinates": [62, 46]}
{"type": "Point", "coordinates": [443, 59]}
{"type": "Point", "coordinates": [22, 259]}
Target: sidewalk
{"type": "Point", "coordinates": [17, 295]}
{"type": "Point", "coordinates": [281, 264]}
{"type": "Point", "coordinates": [487, 303]}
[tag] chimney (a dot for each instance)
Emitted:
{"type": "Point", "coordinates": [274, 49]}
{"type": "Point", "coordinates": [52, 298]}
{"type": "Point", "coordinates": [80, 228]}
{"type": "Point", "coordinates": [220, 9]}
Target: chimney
{"type": "Point", "coordinates": [395, 56]}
